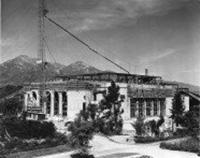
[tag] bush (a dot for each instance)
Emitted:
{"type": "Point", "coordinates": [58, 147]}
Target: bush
{"type": "Point", "coordinates": [78, 155]}
{"type": "Point", "coordinates": [81, 132]}
{"type": "Point", "coordinates": [191, 145]}
{"type": "Point", "coordinates": [149, 139]}
{"type": "Point", "coordinates": [27, 129]}
{"type": "Point", "coordinates": [18, 145]}
{"type": "Point", "coordinates": [139, 126]}
{"type": "Point", "coordinates": [191, 123]}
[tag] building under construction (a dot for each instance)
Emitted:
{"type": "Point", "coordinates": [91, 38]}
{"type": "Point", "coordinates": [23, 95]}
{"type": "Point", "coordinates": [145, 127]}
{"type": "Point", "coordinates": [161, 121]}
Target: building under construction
{"type": "Point", "coordinates": [143, 95]}
{"type": "Point", "coordinates": [64, 97]}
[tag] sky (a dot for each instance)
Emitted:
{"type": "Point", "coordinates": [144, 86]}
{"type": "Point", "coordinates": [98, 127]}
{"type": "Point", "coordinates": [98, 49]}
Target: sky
{"type": "Point", "coordinates": [161, 35]}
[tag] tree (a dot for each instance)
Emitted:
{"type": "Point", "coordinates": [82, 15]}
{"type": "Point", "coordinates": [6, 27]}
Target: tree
{"type": "Point", "coordinates": [139, 126]}
{"type": "Point", "coordinates": [11, 106]}
{"type": "Point", "coordinates": [177, 110]}
{"type": "Point", "coordinates": [191, 122]}
{"type": "Point", "coordinates": [81, 133]}
{"type": "Point", "coordinates": [110, 118]}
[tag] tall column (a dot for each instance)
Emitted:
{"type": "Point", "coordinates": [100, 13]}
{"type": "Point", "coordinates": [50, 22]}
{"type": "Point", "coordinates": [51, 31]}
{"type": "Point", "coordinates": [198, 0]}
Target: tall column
{"type": "Point", "coordinates": [52, 103]}
{"type": "Point", "coordinates": [38, 98]}
{"type": "Point", "coordinates": [25, 101]}
{"type": "Point", "coordinates": [158, 108]}
{"type": "Point", "coordinates": [44, 107]}
{"type": "Point", "coordinates": [152, 109]}
{"type": "Point", "coordinates": [60, 101]}
{"type": "Point", "coordinates": [144, 108]}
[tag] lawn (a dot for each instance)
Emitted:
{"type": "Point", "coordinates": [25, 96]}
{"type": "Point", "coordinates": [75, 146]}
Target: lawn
{"type": "Point", "coordinates": [40, 152]}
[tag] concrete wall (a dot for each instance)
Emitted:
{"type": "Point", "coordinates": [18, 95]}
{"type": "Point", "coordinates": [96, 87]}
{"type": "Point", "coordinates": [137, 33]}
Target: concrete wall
{"type": "Point", "coordinates": [76, 100]}
{"type": "Point", "coordinates": [186, 102]}
{"type": "Point", "coordinates": [168, 106]}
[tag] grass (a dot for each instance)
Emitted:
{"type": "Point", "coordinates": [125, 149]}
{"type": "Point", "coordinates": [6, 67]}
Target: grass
{"type": "Point", "coordinates": [40, 152]}
{"type": "Point", "coordinates": [188, 144]}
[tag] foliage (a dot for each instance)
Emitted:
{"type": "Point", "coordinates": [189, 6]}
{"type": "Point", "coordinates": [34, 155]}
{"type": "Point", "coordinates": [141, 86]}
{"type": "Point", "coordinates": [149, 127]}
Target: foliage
{"type": "Point", "coordinates": [190, 144]}
{"type": "Point", "coordinates": [28, 129]}
{"type": "Point", "coordinates": [139, 126]}
{"type": "Point", "coordinates": [191, 122]}
{"type": "Point", "coordinates": [149, 139]}
{"type": "Point", "coordinates": [110, 118]}
{"type": "Point", "coordinates": [178, 108]}
{"type": "Point", "coordinates": [18, 144]}
{"type": "Point", "coordinates": [156, 125]}
{"type": "Point", "coordinates": [81, 132]}
{"type": "Point", "coordinates": [11, 106]}
{"type": "Point", "coordinates": [8, 89]}
{"type": "Point", "coordinates": [80, 155]}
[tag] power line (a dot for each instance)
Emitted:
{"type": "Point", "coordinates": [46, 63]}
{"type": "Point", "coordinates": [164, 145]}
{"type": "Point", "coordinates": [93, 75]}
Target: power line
{"type": "Point", "coordinates": [84, 43]}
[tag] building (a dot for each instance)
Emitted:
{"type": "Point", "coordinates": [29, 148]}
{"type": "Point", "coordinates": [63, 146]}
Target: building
{"type": "Point", "coordinates": [143, 95]}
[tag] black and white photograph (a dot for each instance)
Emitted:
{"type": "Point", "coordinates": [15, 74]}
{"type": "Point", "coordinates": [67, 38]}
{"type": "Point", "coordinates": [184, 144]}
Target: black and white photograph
{"type": "Point", "coordinates": [100, 79]}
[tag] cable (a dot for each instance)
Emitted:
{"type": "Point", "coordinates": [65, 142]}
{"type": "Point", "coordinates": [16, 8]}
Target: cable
{"type": "Point", "coordinates": [88, 46]}
{"type": "Point", "coordinates": [48, 50]}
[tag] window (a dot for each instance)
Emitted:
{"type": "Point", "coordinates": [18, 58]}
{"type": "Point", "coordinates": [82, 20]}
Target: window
{"type": "Point", "coordinates": [148, 108]}
{"type": "Point", "coordinates": [95, 97]}
{"type": "Point", "coordinates": [133, 108]}
{"type": "Point", "coordinates": [84, 106]}
{"type": "Point", "coordinates": [155, 108]}
{"type": "Point", "coordinates": [140, 108]}
{"type": "Point", "coordinates": [162, 107]}
{"type": "Point", "coordinates": [122, 97]}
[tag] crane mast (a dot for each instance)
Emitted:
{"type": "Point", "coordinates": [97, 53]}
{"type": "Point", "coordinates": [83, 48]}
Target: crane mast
{"type": "Point", "coordinates": [41, 52]}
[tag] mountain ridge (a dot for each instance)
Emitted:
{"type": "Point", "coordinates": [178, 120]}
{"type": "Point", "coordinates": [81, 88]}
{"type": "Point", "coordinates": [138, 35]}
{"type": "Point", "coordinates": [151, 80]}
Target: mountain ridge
{"type": "Point", "coordinates": [26, 69]}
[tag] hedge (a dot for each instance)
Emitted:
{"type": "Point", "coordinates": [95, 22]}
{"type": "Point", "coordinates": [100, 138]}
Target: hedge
{"type": "Point", "coordinates": [190, 144]}
{"type": "Point", "coordinates": [18, 145]}
{"type": "Point", "coordinates": [27, 129]}
{"type": "Point", "coordinates": [149, 139]}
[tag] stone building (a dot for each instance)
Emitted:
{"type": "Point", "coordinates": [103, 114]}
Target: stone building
{"type": "Point", "coordinates": [143, 95]}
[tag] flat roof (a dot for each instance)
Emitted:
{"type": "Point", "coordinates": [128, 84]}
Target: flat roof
{"type": "Point", "coordinates": [109, 73]}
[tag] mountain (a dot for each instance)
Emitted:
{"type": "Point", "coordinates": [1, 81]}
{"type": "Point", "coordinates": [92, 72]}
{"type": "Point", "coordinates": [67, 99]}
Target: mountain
{"type": "Point", "coordinates": [193, 88]}
{"type": "Point", "coordinates": [25, 69]}
{"type": "Point", "coordinates": [78, 67]}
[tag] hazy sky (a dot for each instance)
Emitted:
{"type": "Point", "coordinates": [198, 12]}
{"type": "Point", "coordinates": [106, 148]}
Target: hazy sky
{"type": "Point", "coordinates": [161, 35]}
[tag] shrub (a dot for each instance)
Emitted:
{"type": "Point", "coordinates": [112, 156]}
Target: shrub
{"type": "Point", "coordinates": [79, 155]}
{"type": "Point", "coordinates": [191, 145]}
{"type": "Point", "coordinates": [17, 144]}
{"type": "Point", "coordinates": [139, 126]}
{"type": "Point", "coordinates": [28, 129]}
{"type": "Point", "coordinates": [81, 132]}
{"type": "Point", "coordinates": [191, 122]}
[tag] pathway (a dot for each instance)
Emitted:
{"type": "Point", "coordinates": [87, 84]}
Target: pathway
{"type": "Point", "coordinates": [103, 146]}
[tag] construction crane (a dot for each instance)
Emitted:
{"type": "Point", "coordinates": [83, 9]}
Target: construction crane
{"type": "Point", "coordinates": [41, 53]}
